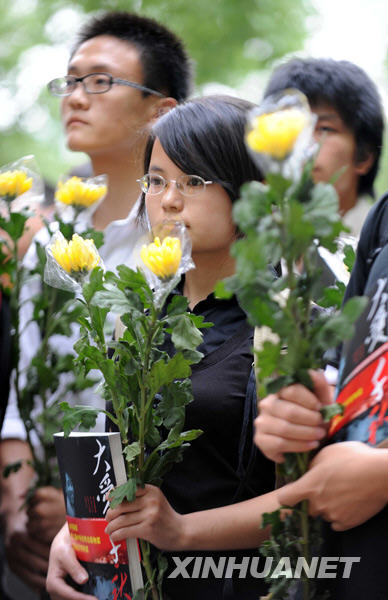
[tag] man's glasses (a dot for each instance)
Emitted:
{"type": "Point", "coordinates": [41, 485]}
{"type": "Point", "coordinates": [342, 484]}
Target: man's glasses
{"type": "Point", "coordinates": [188, 185]}
{"type": "Point", "coordinates": [94, 83]}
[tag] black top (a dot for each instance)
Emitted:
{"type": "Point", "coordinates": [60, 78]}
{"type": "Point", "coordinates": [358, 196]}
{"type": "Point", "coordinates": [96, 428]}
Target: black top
{"type": "Point", "coordinates": [222, 466]}
{"type": "Point", "coordinates": [373, 237]}
{"type": "Point", "coordinates": [209, 475]}
{"type": "Point", "coordinates": [368, 541]}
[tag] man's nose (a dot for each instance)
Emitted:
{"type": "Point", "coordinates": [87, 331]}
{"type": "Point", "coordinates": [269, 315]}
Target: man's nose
{"type": "Point", "coordinates": [78, 96]}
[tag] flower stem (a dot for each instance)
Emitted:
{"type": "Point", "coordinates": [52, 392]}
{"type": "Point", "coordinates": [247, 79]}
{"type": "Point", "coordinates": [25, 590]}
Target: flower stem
{"type": "Point", "coordinates": [145, 553]}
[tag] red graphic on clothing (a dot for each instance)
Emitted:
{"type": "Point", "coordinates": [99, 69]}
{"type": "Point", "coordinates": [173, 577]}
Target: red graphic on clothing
{"type": "Point", "coordinates": [365, 388]}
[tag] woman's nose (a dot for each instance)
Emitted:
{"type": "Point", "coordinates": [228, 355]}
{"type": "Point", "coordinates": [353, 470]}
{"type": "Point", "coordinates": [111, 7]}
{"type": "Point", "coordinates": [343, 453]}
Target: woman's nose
{"type": "Point", "coordinates": [172, 199]}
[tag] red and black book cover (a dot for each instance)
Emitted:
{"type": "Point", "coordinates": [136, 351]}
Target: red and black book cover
{"type": "Point", "coordinates": [363, 374]}
{"type": "Point", "coordinates": [86, 464]}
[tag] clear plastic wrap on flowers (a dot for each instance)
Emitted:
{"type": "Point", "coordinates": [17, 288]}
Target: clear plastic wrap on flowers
{"type": "Point", "coordinates": [279, 133]}
{"type": "Point", "coordinates": [21, 185]}
{"type": "Point", "coordinates": [77, 194]}
{"type": "Point", "coordinates": [164, 255]}
{"type": "Point", "coordinates": [69, 263]}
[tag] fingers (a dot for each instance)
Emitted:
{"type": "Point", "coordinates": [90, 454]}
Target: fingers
{"type": "Point", "coordinates": [60, 590]}
{"type": "Point", "coordinates": [300, 395]}
{"type": "Point", "coordinates": [290, 423]}
{"type": "Point", "coordinates": [294, 492]}
{"type": "Point", "coordinates": [63, 564]}
{"type": "Point", "coordinates": [291, 412]}
{"type": "Point", "coordinates": [322, 389]}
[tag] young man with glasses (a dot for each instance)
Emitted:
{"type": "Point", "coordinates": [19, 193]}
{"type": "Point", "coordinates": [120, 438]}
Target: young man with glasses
{"type": "Point", "coordinates": [124, 72]}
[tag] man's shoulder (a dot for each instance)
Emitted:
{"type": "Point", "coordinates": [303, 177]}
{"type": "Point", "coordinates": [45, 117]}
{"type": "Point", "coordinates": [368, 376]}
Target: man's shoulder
{"type": "Point", "coordinates": [374, 233]}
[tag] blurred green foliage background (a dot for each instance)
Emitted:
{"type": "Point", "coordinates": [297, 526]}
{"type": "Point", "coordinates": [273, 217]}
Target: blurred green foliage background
{"type": "Point", "coordinates": [233, 43]}
{"type": "Point", "coordinates": [228, 40]}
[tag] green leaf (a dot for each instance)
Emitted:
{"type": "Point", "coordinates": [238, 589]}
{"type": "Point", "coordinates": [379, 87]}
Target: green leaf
{"type": "Point", "coordinates": [163, 373]}
{"type": "Point", "coordinates": [175, 398]}
{"type": "Point", "coordinates": [15, 226]}
{"type": "Point", "coordinates": [94, 284]}
{"type": "Point", "coordinates": [177, 306]}
{"type": "Point", "coordinates": [349, 257]}
{"type": "Point", "coordinates": [330, 411]}
{"type": "Point", "coordinates": [221, 291]}
{"type": "Point", "coordinates": [176, 439]}
{"type": "Point", "coordinates": [354, 307]}
{"type": "Point", "coordinates": [130, 452]}
{"type": "Point", "coordinates": [184, 333]}
{"type": "Point", "coordinates": [83, 416]}
{"type": "Point", "coordinates": [126, 491]}
{"type": "Point", "coordinates": [12, 468]}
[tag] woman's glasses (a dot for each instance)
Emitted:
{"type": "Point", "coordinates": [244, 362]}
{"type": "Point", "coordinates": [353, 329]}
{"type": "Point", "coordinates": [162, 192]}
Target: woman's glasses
{"type": "Point", "coordinates": [188, 185]}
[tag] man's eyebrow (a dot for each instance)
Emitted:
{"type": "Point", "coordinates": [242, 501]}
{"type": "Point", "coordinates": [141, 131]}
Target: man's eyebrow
{"type": "Point", "coordinates": [100, 68]}
{"type": "Point", "coordinates": [327, 117]}
{"type": "Point", "coordinates": [156, 168]}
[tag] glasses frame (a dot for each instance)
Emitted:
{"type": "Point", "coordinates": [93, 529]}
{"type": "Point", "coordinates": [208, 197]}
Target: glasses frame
{"type": "Point", "coordinates": [167, 182]}
{"type": "Point", "coordinates": [112, 80]}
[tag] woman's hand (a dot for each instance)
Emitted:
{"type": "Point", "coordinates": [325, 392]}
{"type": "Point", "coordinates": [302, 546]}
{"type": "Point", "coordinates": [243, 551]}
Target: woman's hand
{"type": "Point", "coordinates": [149, 517]}
{"type": "Point", "coordinates": [63, 563]}
{"type": "Point", "coordinates": [290, 421]}
{"type": "Point", "coordinates": [346, 484]}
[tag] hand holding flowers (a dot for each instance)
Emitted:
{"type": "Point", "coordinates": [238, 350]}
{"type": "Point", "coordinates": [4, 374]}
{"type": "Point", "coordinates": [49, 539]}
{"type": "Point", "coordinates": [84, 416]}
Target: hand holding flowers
{"type": "Point", "coordinates": [284, 221]}
{"type": "Point", "coordinates": [146, 389]}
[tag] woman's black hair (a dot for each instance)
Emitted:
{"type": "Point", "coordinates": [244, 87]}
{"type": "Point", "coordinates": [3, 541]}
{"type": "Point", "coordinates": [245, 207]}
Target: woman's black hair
{"type": "Point", "coordinates": [205, 137]}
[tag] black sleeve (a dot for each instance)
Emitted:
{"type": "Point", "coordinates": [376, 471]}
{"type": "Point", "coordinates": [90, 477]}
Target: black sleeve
{"type": "Point", "coordinates": [373, 237]}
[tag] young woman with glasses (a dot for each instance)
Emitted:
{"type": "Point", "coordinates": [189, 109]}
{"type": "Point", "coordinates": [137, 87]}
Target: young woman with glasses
{"type": "Point", "coordinates": [210, 504]}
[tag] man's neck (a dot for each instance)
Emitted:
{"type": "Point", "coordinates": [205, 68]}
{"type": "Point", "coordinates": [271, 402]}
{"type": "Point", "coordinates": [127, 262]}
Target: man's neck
{"type": "Point", "coordinates": [123, 190]}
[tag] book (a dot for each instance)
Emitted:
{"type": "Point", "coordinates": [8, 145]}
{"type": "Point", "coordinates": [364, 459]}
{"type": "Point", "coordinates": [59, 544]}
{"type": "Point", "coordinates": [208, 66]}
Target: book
{"type": "Point", "coordinates": [362, 386]}
{"type": "Point", "coordinates": [91, 465]}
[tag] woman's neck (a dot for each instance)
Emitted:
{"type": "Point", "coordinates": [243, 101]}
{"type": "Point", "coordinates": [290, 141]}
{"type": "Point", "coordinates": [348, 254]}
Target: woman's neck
{"type": "Point", "coordinates": [209, 268]}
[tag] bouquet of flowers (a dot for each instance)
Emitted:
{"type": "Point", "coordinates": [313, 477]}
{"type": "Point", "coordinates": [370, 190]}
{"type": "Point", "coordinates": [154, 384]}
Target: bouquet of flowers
{"type": "Point", "coordinates": [284, 221]}
{"type": "Point", "coordinates": [41, 310]}
{"type": "Point", "coordinates": [146, 389]}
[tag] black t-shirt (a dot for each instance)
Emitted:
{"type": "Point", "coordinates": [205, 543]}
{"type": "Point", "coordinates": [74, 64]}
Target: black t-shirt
{"type": "Point", "coordinates": [373, 237]}
{"type": "Point", "coordinates": [222, 466]}
{"type": "Point", "coordinates": [369, 577]}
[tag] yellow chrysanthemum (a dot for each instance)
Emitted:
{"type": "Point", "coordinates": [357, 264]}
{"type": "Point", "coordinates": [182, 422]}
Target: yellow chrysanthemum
{"type": "Point", "coordinates": [275, 133]}
{"type": "Point", "coordinates": [77, 255]}
{"type": "Point", "coordinates": [162, 258]}
{"type": "Point", "coordinates": [14, 183]}
{"type": "Point", "coordinates": [76, 192]}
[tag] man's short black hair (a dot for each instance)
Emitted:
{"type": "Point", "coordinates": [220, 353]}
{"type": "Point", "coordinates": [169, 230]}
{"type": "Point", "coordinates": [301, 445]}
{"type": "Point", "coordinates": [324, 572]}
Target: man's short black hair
{"type": "Point", "coordinates": [165, 63]}
{"type": "Point", "coordinates": [350, 91]}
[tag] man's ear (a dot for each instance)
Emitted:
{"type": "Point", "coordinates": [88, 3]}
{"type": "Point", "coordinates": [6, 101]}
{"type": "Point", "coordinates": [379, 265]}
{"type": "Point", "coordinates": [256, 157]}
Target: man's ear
{"type": "Point", "coordinates": [162, 106]}
{"type": "Point", "coordinates": [363, 166]}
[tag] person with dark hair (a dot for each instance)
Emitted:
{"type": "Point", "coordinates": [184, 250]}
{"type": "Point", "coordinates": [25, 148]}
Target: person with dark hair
{"type": "Point", "coordinates": [210, 504]}
{"type": "Point", "coordinates": [124, 72]}
{"type": "Point", "coordinates": [163, 58]}
{"type": "Point", "coordinates": [349, 127]}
